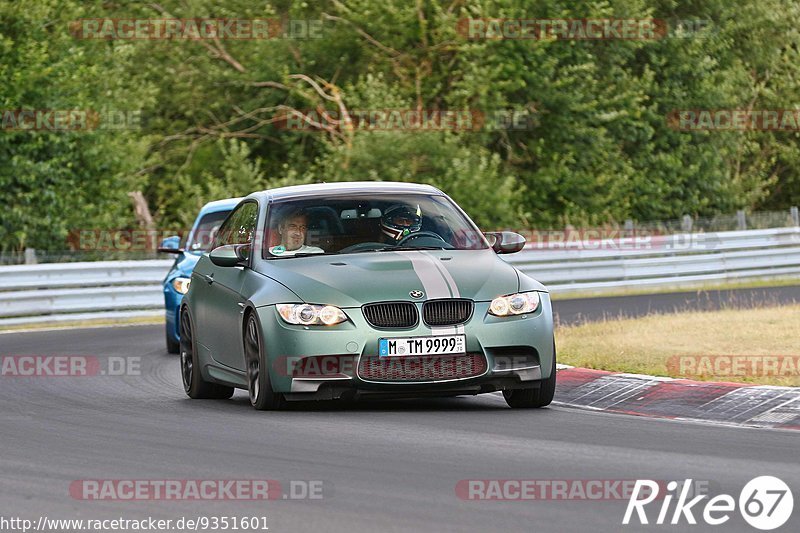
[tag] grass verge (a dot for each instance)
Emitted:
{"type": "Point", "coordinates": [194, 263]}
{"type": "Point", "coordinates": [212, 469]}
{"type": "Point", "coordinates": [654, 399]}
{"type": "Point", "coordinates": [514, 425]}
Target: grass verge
{"type": "Point", "coordinates": [77, 324]}
{"type": "Point", "coordinates": [741, 345]}
{"type": "Point", "coordinates": [686, 287]}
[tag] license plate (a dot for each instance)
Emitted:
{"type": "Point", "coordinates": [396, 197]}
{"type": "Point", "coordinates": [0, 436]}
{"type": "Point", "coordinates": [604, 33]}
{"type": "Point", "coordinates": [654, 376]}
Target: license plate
{"type": "Point", "coordinates": [439, 345]}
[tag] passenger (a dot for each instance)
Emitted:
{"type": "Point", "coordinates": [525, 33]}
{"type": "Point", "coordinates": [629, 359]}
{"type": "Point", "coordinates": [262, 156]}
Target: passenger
{"type": "Point", "coordinates": [292, 229]}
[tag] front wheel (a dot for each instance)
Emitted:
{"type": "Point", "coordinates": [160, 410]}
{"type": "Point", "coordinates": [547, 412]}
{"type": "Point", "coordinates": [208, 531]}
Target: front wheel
{"type": "Point", "coordinates": [532, 398]}
{"type": "Point", "coordinates": [259, 387]}
{"type": "Point", "coordinates": [193, 383]}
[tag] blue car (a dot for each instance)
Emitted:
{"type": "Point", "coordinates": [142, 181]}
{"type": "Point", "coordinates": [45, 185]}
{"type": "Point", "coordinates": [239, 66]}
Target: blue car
{"type": "Point", "coordinates": [176, 283]}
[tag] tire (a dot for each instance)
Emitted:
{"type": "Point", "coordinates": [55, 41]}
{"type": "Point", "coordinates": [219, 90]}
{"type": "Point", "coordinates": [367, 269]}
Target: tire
{"type": "Point", "coordinates": [534, 398]}
{"type": "Point", "coordinates": [172, 346]}
{"type": "Point", "coordinates": [193, 383]}
{"type": "Point", "coordinates": [259, 386]}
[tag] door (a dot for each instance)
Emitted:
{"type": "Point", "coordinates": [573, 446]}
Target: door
{"type": "Point", "coordinates": [223, 300]}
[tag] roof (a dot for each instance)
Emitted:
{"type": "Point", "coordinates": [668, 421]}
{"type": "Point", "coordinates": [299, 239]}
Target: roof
{"type": "Point", "coordinates": [346, 187]}
{"type": "Point", "coordinates": [220, 205]}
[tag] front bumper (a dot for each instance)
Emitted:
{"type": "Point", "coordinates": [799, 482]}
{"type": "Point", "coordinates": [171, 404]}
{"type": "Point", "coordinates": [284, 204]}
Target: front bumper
{"type": "Point", "coordinates": [518, 351]}
{"type": "Point", "coordinates": [172, 306]}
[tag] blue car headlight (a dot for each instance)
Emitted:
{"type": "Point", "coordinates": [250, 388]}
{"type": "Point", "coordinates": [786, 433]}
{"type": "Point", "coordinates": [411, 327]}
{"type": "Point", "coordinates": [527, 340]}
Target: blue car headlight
{"type": "Point", "coordinates": [311, 315]}
{"type": "Point", "coordinates": [515, 304]}
{"type": "Point", "coordinates": [181, 285]}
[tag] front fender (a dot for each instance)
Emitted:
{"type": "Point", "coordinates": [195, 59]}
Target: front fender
{"type": "Point", "coordinates": [527, 283]}
{"type": "Point", "coordinates": [260, 290]}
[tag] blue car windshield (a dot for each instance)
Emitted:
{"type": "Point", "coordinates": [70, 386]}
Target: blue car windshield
{"type": "Point", "coordinates": [202, 238]}
{"type": "Point", "coordinates": [364, 223]}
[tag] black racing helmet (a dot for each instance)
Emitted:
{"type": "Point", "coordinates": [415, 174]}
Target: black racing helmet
{"type": "Point", "coordinates": [401, 220]}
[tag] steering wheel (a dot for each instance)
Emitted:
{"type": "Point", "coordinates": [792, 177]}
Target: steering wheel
{"type": "Point", "coordinates": [419, 234]}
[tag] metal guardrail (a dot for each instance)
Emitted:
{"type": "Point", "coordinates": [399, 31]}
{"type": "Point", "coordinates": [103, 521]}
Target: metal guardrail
{"type": "Point", "coordinates": [62, 292]}
{"type": "Point", "coordinates": [658, 261]}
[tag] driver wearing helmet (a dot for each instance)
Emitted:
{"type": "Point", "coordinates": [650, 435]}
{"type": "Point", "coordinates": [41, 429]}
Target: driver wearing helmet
{"type": "Point", "coordinates": [400, 221]}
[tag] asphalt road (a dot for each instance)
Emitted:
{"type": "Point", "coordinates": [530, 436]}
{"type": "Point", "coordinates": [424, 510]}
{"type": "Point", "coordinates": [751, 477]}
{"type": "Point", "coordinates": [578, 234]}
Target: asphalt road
{"type": "Point", "coordinates": [390, 466]}
{"type": "Point", "coordinates": [590, 309]}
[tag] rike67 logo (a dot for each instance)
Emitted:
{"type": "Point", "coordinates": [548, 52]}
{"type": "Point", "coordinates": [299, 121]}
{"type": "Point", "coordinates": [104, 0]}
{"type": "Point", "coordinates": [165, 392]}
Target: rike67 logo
{"type": "Point", "coordinates": [765, 503]}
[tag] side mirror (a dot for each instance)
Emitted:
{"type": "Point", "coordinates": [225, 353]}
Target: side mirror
{"type": "Point", "coordinates": [230, 255]}
{"type": "Point", "coordinates": [170, 245]}
{"type": "Point", "coordinates": [505, 242]}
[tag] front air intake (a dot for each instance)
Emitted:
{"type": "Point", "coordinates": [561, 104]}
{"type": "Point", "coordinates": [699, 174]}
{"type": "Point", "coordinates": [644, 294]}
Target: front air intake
{"type": "Point", "coordinates": [447, 312]}
{"type": "Point", "coordinates": [391, 314]}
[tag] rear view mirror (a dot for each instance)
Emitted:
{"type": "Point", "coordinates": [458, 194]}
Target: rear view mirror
{"type": "Point", "coordinates": [170, 245]}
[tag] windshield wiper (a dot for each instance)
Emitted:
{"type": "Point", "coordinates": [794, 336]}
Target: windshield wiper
{"type": "Point", "coordinates": [302, 254]}
{"type": "Point", "coordinates": [408, 248]}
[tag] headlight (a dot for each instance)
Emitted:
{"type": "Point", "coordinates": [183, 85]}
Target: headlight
{"type": "Point", "coordinates": [515, 304]}
{"type": "Point", "coordinates": [181, 285]}
{"type": "Point", "coordinates": [311, 315]}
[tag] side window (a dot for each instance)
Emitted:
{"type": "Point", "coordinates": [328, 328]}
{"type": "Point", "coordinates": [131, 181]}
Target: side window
{"type": "Point", "coordinates": [239, 227]}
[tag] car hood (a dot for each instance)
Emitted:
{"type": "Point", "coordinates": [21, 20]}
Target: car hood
{"type": "Point", "coordinates": [352, 280]}
{"type": "Point", "coordinates": [186, 264]}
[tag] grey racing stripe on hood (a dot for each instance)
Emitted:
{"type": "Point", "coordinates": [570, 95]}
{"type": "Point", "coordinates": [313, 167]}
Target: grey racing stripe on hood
{"type": "Point", "coordinates": [433, 282]}
{"type": "Point", "coordinates": [436, 282]}
{"type": "Point", "coordinates": [453, 289]}
{"type": "Point", "coordinates": [445, 274]}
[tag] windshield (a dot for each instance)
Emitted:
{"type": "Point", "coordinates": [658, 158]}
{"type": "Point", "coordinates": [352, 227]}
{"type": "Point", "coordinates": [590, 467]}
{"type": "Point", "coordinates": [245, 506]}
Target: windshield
{"type": "Point", "coordinates": [368, 223]}
{"type": "Point", "coordinates": [202, 237]}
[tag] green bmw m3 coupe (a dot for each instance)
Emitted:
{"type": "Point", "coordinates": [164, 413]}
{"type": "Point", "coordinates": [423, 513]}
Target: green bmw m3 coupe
{"type": "Point", "coordinates": [363, 290]}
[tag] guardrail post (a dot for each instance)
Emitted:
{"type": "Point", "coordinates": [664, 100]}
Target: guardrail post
{"type": "Point", "coordinates": [30, 256]}
{"type": "Point", "coordinates": [686, 224]}
{"type": "Point", "coordinates": [629, 227]}
{"type": "Point", "coordinates": [741, 220]}
{"type": "Point", "coordinates": [795, 216]}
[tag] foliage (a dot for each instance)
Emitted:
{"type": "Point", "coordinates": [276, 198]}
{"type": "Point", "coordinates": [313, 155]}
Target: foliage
{"type": "Point", "coordinates": [599, 147]}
